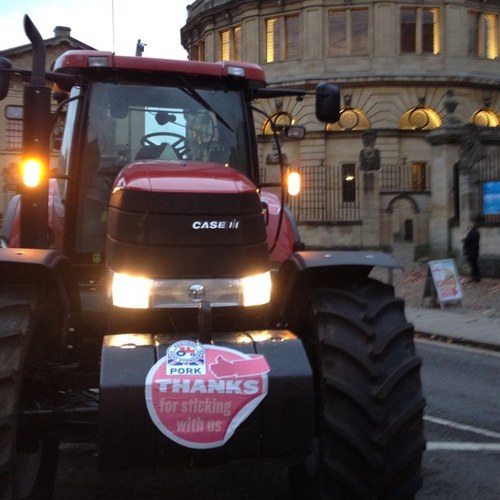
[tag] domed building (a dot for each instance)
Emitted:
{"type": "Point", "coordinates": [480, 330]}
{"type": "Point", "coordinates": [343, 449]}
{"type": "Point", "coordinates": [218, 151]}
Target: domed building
{"type": "Point", "coordinates": [412, 74]}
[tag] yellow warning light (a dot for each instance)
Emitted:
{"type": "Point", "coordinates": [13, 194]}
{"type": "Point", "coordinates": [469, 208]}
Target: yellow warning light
{"type": "Point", "coordinates": [293, 183]}
{"type": "Point", "coordinates": [32, 172]}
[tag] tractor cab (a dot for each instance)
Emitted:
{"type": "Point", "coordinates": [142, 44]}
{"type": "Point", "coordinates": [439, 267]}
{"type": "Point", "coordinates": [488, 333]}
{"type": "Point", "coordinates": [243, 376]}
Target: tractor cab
{"type": "Point", "coordinates": [145, 116]}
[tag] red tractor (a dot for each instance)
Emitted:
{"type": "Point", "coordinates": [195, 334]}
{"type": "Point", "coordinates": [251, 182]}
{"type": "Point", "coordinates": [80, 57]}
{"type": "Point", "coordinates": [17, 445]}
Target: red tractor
{"type": "Point", "coordinates": [154, 291]}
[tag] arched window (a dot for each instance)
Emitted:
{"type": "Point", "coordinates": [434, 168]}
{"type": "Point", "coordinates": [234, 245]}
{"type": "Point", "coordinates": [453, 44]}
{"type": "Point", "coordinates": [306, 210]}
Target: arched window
{"type": "Point", "coordinates": [281, 120]}
{"type": "Point", "coordinates": [485, 117]}
{"type": "Point", "coordinates": [350, 119]}
{"type": "Point", "coordinates": [420, 118]}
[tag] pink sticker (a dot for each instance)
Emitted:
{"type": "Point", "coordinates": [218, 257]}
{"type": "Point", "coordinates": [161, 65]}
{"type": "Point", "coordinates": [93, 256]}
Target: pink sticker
{"type": "Point", "coordinates": [198, 394]}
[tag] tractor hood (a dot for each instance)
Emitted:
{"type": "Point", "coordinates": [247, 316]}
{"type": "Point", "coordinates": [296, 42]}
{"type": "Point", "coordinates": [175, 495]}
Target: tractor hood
{"type": "Point", "coordinates": [185, 219]}
{"type": "Point", "coordinates": [183, 177]}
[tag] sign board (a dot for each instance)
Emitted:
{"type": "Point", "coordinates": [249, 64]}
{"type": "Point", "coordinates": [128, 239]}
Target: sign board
{"type": "Point", "coordinates": [491, 198]}
{"type": "Point", "coordinates": [198, 394]}
{"type": "Point", "coordinates": [443, 281]}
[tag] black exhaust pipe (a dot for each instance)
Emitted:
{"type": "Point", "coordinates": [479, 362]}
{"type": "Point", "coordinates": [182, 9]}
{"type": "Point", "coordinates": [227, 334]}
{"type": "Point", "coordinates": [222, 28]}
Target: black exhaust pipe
{"type": "Point", "coordinates": [38, 48]}
{"type": "Point", "coordinates": [36, 145]}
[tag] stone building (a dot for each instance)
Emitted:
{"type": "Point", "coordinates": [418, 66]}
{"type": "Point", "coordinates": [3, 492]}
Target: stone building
{"type": "Point", "coordinates": [413, 74]}
{"type": "Point", "coordinates": [11, 109]}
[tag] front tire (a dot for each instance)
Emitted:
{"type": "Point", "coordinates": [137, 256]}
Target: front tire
{"type": "Point", "coordinates": [27, 461]}
{"type": "Point", "coordinates": [368, 391]}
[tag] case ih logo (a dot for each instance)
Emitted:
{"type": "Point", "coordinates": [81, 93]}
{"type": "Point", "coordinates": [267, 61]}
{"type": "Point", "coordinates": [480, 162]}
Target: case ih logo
{"type": "Point", "coordinates": [216, 224]}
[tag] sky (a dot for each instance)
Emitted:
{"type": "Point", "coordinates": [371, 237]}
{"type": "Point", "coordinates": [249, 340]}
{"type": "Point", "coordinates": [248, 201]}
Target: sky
{"type": "Point", "coordinates": [156, 23]}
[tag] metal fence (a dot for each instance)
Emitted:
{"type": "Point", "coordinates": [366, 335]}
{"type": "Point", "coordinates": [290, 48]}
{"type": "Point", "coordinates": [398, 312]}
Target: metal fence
{"type": "Point", "coordinates": [328, 195]}
{"type": "Point", "coordinates": [332, 194]}
{"type": "Point", "coordinates": [407, 178]}
{"type": "Point", "coordinates": [489, 186]}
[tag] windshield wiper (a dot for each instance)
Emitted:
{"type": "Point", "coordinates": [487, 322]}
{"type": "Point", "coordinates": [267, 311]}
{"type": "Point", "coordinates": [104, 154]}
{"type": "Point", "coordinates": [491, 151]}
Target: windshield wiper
{"type": "Point", "coordinates": [193, 93]}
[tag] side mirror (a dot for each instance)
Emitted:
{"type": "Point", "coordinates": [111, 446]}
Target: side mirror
{"type": "Point", "coordinates": [327, 102]}
{"type": "Point", "coordinates": [5, 65]}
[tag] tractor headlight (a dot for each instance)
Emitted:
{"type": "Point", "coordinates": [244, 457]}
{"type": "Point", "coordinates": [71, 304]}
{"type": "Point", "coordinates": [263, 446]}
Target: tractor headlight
{"type": "Point", "coordinates": [256, 290]}
{"type": "Point", "coordinates": [136, 292]}
{"type": "Point", "coordinates": [131, 291]}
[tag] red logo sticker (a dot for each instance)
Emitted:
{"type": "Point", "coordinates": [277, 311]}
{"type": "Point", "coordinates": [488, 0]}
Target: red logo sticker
{"type": "Point", "coordinates": [197, 395]}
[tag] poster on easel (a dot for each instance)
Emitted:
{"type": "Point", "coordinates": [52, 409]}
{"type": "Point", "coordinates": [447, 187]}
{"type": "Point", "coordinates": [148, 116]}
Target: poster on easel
{"type": "Point", "coordinates": [443, 282]}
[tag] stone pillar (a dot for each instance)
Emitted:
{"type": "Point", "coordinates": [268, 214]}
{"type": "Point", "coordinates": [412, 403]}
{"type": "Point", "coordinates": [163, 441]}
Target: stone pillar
{"type": "Point", "coordinates": [468, 198]}
{"type": "Point", "coordinates": [445, 141]}
{"type": "Point", "coordinates": [369, 169]}
{"type": "Point", "coordinates": [370, 209]}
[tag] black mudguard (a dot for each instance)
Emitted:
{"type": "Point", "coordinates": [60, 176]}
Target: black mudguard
{"type": "Point", "coordinates": [323, 259]}
{"type": "Point", "coordinates": [32, 265]}
{"type": "Point", "coordinates": [281, 426]}
{"type": "Point", "coordinates": [48, 272]}
{"type": "Point", "coordinates": [323, 268]}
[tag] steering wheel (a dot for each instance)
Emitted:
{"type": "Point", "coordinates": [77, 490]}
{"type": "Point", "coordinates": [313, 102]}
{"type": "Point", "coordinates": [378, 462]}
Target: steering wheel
{"type": "Point", "coordinates": [179, 145]}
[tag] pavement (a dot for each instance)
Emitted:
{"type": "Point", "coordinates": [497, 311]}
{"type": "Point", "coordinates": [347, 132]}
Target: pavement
{"type": "Point", "coordinates": [474, 320]}
{"type": "Point", "coordinates": [456, 325]}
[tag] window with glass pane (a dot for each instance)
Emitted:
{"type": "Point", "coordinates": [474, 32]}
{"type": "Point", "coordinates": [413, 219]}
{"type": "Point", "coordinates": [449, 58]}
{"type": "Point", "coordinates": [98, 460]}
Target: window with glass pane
{"type": "Point", "coordinates": [230, 44]}
{"type": "Point", "coordinates": [348, 32]}
{"type": "Point", "coordinates": [272, 40]}
{"type": "Point", "coordinates": [408, 30]}
{"type": "Point", "coordinates": [491, 32]}
{"type": "Point", "coordinates": [430, 31]}
{"type": "Point", "coordinates": [291, 37]}
{"type": "Point", "coordinates": [419, 30]}
{"type": "Point", "coordinates": [418, 174]}
{"type": "Point", "coordinates": [359, 31]}
{"type": "Point", "coordinates": [198, 53]}
{"type": "Point", "coordinates": [224, 45]}
{"type": "Point", "coordinates": [482, 34]}
{"type": "Point", "coordinates": [337, 33]}
{"type": "Point", "coordinates": [13, 127]}
{"type": "Point", "coordinates": [128, 123]}
{"type": "Point", "coordinates": [13, 134]}
{"type": "Point", "coordinates": [236, 56]}
{"type": "Point", "coordinates": [348, 182]}
{"type": "Point", "coordinates": [473, 19]}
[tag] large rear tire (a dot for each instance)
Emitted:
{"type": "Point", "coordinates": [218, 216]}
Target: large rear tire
{"type": "Point", "coordinates": [368, 391]}
{"type": "Point", "coordinates": [27, 459]}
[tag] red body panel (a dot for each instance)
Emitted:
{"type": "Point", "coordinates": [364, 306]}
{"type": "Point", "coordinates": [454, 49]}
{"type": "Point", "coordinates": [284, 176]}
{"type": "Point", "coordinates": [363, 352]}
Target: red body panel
{"type": "Point", "coordinates": [56, 215]}
{"type": "Point", "coordinates": [285, 243]}
{"type": "Point", "coordinates": [182, 177]}
{"type": "Point", "coordinates": [79, 59]}
{"type": "Point", "coordinates": [56, 219]}
{"type": "Point", "coordinates": [15, 230]}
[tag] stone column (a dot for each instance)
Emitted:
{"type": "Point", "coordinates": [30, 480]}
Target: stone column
{"type": "Point", "coordinates": [445, 141]}
{"type": "Point", "coordinates": [369, 169]}
{"type": "Point", "coordinates": [370, 209]}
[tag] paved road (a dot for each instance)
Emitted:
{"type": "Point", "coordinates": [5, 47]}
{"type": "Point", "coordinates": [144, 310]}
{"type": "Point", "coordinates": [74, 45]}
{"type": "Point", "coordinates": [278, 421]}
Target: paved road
{"type": "Point", "coordinates": [462, 423]}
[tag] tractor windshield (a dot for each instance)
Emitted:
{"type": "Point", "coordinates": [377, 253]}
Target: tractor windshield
{"type": "Point", "coordinates": [128, 123]}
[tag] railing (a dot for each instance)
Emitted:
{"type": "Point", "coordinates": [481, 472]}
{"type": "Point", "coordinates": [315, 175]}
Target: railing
{"type": "Point", "coordinates": [488, 170]}
{"type": "Point", "coordinates": [332, 194]}
{"type": "Point", "coordinates": [326, 196]}
{"type": "Point", "coordinates": [414, 178]}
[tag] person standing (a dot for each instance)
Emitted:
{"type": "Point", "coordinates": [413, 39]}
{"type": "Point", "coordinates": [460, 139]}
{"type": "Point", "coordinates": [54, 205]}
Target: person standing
{"type": "Point", "coordinates": [471, 250]}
